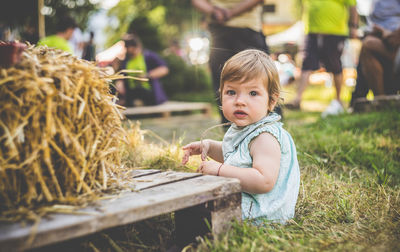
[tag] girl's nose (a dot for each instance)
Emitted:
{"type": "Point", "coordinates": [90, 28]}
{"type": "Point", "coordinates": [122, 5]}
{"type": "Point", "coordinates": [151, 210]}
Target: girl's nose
{"type": "Point", "coordinates": [240, 99]}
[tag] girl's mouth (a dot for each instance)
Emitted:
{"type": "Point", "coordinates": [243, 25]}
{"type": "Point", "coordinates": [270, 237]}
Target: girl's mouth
{"type": "Point", "coordinates": [239, 114]}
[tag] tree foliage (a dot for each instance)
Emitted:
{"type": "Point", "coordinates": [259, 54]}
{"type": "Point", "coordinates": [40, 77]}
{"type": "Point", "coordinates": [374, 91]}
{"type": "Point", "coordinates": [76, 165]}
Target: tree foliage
{"type": "Point", "coordinates": [80, 10]}
{"type": "Point", "coordinates": [156, 22]}
{"type": "Point", "coordinates": [18, 13]}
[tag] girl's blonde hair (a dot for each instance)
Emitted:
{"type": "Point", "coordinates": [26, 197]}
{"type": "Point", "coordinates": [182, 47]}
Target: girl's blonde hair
{"type": "Point", "coordinates": [248, 65]}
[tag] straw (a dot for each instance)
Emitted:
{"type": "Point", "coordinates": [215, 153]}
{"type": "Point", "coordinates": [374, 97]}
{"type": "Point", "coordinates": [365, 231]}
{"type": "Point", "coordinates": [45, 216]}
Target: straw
{"type": "Point", "coordinates": [59, 131]}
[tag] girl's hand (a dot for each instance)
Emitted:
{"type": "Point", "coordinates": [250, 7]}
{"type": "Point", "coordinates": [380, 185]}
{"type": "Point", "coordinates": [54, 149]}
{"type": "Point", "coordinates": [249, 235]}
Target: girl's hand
{"type": "Point", "coordinates": [209, 167]}
{"type": "Point", "coordinates": [195, 148]}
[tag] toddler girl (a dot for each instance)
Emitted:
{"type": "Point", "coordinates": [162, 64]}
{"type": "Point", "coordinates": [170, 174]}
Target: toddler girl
{"type": "Point", "coordinates": [255, 149]}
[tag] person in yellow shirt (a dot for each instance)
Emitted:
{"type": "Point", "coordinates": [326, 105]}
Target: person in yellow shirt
{"type": "Point", "coordinates": [327, 24]}
{"type": "Point", "coordinates": [65, 28]}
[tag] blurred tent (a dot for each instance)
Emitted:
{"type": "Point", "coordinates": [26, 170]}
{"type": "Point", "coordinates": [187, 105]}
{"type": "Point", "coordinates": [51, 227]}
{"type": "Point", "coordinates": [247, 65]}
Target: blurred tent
{"type": "Point", "coordinates": [293, 35]}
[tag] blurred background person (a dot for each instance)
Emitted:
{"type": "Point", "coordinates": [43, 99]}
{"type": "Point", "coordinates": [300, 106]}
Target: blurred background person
{"type": "Point", "coordinates": [234, 25]}
{"type": "Point", "coordinates": [137, 92]}
{"type": "Point", "coordinates": [77, 43]}
{"type": "Point", "coordinates": [64, 29]}
{"type": "Point", "coordinates": [30, 34]}
{"type": "Point", "coordinates": [89, 49]}
{"type": "Point", "coordinates": [327, 24]}
{"type": "Point", "coordinates": [375, 68]}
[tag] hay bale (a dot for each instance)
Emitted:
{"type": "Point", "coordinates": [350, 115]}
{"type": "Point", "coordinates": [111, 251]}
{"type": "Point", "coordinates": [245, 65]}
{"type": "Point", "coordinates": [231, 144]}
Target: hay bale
{"type": "Point", "coordinates": [59, 130]}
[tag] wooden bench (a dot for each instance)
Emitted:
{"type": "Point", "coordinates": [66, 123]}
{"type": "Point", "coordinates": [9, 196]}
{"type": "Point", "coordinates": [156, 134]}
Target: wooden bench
{"type": "Point", "coordinates": [169, 107]}
{"type": "Point", "coordinates": [192, 196]}
{"type": "Point", "coordinates": [377, 104]}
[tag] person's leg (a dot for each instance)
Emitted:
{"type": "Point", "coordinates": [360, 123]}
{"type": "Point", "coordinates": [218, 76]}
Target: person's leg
{"type": "Point", "coordinates": [332, 51]}
{"type": "Point", "coordinates": [361, 89]}
{"type": "Point", "coordinates": [304, 79]}
{"type": "Point", "coordinates": [338, 79]}
{"type": "Point", "coordinates": [148, 97]}
{"type": "Point", "coordinates": [137, 97]}
{"type": "Point", "coordinates": [373, 52]}
{"type": "Point", "coordinates": [396, 75]}
{"type": "Point", "coordinates": [310, 63]}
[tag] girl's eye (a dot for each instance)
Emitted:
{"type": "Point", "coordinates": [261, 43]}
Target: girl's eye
{"type": "Point", "coordinates": [230, 92]}
{"type": "Point", "coordinates": [253, 93]}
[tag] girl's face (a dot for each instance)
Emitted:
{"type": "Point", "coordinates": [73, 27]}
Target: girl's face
{"type": "Point", "coordinates": [245, 103]}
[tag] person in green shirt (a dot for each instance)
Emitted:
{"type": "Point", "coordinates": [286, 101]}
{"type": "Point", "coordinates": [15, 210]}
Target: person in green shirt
{"type": "Point", "coordinates": [327, 23]}
{"type": "Point", "coordinates": [65, 28]}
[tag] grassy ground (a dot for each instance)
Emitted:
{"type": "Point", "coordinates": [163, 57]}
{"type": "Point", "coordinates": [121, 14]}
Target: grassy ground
{"type": "Point", "coordinates": [349, 197]}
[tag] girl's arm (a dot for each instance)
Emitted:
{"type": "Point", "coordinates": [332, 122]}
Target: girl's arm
{"type": "Point", "coordinates": [214, 151]}
{"type": "Point", "coordinates": [206, 148]}
{"type": "Point", "coordinates": [261, 178]}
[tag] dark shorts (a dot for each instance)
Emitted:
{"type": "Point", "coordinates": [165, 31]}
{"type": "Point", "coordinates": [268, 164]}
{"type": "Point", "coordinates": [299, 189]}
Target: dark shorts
{"type": "Point", "coordinates": [146, 96]}
{"type": "Point", "coordinates": [322, 50]}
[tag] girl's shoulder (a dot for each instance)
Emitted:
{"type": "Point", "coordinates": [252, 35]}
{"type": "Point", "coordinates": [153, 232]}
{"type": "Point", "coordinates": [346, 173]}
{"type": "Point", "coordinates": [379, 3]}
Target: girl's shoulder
{"type": "Point", "coordinates": [273, 129]}
{"type": "Point", "coordinates": [277, 131]}
{"type": "Point", "coordinates": [243, 136]}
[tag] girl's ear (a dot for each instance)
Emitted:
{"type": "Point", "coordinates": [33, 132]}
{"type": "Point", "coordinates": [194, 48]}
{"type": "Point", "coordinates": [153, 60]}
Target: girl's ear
{"type": "Point", "coordinates": [272, 102]}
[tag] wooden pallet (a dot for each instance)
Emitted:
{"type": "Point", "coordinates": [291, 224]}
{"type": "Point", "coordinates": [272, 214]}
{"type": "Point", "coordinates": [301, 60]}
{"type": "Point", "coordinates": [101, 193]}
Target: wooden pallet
{"type": "Point", "coordinates": [169, 107]}
{"type": "Point", "coordinates": [192, 196]}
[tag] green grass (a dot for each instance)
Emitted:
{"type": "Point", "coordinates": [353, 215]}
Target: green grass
{"type": "Point", "coordinates": [367, 142]}
{"type": "Point", "coordinates": [349, 197]}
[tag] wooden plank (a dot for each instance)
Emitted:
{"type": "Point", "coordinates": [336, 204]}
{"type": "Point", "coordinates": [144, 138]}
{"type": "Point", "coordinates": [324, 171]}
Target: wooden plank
{"type": "Point", "coordinates": [162, 178]}
{"type": "Point", "coordinates": [141, 173]}
{"type": "Point", "coordinates": [168, 107]}
{"type": "Point", "coordinates": [219, 214]}
{"type": "Point", "coordinates": [224, 210]}
{"type": "Point", "coordinates": [127, 208]}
